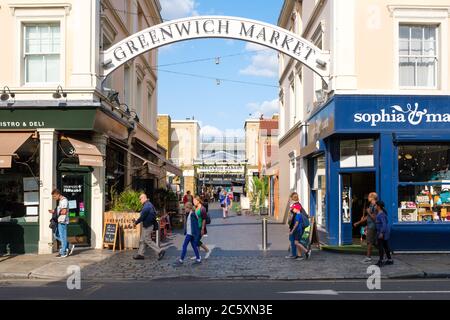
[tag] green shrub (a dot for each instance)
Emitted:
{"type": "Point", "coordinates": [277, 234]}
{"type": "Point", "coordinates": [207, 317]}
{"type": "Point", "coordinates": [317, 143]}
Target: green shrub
{"type": "Point", "coordinates": [127, 201]}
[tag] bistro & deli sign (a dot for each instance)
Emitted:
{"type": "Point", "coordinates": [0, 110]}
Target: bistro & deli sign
{"type": "Point", "coordinates": [22, 124]}
{"type": "Point", "coordinates": [217, 27]}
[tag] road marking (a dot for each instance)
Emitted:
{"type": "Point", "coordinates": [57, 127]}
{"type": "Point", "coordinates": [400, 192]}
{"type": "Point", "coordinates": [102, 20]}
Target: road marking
{"type": "Point", "coordinates": [92, 289]}
{"type": "Point", "coordinates": [334, 293]}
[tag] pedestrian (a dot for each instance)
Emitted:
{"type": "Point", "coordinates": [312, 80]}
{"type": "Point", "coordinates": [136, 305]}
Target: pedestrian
{"type": "Point", "coordinates": [383, 235]}
{"type": "Point", "coordinates": [230, 198]}
{"type": "Point", "coordinates": [297, 231]}
{"type": "Point", "coordinates": [202, 217]}
{"type": "Point", "coordinates": [205, 201]}
{"type": "Point", "coordinates": [149, 224]}
{"type": "Point", "coordinates": [224, 203]}
{"type": "Point", "coordinates": [187, 198]}
{"type": "Point", "coordinates": [292, 215]}
{"type": "Point", "coordinates": [62, 216]}
{"type": "Point", "coordinates": [192, 235]}
{"type": "Point", "coordinates": [370, 219]}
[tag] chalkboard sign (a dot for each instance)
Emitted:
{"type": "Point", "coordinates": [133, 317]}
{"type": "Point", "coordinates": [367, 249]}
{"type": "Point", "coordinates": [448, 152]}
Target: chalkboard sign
{"type": "Point", "coordinates": [110, 234]}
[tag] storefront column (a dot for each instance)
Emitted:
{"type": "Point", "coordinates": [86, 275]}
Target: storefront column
{"type": "Point", "coordinates": [47, 162]}
{"type": "Point", "coordinates": [98, 194]}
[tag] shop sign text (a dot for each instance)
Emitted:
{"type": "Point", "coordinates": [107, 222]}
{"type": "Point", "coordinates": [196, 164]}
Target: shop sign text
{"type": "Point", "coordinates": [22, 124]}
{"type": "Point", "coordinates": [413, 115]}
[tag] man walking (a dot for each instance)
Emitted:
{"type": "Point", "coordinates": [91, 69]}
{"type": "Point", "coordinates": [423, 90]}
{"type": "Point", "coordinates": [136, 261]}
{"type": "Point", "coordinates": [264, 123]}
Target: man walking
{"type": "Point", "coordinates": [149, 223]}
{"type": "Point", "coordinates": [62, 215]}
{"type": "Point", "coordinates": [188, 198]}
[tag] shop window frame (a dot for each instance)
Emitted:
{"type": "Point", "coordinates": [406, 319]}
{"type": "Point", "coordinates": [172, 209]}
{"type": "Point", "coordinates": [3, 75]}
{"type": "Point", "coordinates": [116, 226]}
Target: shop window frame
{"type": "Point", "coordinates": [398, 183]}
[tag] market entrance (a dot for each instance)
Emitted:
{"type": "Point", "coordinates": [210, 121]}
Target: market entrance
{"type": "Point", "coordinates": [354, 198]}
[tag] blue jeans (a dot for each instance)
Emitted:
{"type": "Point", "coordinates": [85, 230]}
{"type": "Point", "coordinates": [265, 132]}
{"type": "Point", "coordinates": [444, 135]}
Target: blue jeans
{"type": "Point", "coordinates": [293, 246]}
{"type": "Point", "coordinates": [62, 237]}
{"type": "Point", "coordinates": [190, 239]}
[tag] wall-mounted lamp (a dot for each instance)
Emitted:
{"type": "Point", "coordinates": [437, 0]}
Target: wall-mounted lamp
{"type": "Point", "coordinates": [136, 118]}
{"type": "Point", "coordinates": [59, 93]}
{"type": "Point", "coordinates": [6, 94]}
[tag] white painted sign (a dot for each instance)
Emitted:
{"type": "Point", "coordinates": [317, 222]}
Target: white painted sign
{"type": "Point", "coordinates": [412, 115]}
{"type": "Point", "coordinates": [265, 34]}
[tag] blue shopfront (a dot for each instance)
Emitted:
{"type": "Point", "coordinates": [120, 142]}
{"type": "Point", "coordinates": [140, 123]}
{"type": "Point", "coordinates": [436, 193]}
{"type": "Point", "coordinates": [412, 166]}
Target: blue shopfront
{"type": "Point", "coordinates": [397, 146]}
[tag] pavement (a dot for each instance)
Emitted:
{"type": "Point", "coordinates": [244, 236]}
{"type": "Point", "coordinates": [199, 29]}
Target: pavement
{"type": "Point", "coordinates": [236, 255]}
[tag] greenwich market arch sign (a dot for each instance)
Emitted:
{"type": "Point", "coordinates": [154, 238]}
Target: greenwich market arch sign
{"type": "Point", "coordinates": [265, 34]}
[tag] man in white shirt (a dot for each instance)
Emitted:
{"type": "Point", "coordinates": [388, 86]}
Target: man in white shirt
{"type": "Point", "coordinates": [62, 211]}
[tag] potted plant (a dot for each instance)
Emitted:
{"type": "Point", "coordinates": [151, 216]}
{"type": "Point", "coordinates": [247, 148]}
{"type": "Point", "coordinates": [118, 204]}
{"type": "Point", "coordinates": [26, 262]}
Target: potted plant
{"type": "Point", "coordinates": [260, 195]}
{"type": "Point", "coordinates": [125, 210]}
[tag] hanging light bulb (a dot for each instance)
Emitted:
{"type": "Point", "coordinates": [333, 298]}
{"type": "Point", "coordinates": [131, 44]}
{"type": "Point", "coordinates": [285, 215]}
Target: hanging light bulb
{"type": "Point", "coordinates": [408, 156]}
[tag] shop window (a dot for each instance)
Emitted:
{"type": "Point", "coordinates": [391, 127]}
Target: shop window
{"type": "Point", "coordinates": [19, 185]}
{"type": "Point", "coordinates": [418, 58]}
{"type": "Point", "coordinates": [356, 153]}
{"type": "Point", "coordinates": [423, 163]}
{"type": "Point", "coordinates": [42, 46]}
{"type": "Point", "coordinates": [424, 183]}
{"type": "Point", "coordinates": [319, 188]}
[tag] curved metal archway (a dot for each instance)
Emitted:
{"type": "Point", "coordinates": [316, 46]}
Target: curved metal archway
{"type": "Point", "coordinates": [265, 34]}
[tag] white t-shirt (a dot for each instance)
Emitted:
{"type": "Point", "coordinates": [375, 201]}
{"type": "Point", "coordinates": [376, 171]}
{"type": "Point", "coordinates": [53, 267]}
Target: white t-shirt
{"type": "Point", "coordinates": [63, 204]}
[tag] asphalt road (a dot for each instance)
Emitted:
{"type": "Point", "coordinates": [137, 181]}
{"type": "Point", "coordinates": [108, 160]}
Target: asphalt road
{"type": "Point", "coordinates": [427, 289]}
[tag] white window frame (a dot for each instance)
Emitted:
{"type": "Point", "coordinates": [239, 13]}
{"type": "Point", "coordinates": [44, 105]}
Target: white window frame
{"type": "Point", "coordinates": [436, 57]}
{"type": "Point", "coordinates": [24, 15]}
{"type": "Point", "coordinates": [437, 16]}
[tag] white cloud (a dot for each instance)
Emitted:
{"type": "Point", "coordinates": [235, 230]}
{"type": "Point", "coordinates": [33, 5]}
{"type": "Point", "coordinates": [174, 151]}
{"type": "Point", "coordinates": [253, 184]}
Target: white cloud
{"type": "Point", "coordinates": [266, 108]}
{"type": "Point", "coordinates": [264, 63]}
{"type": "Point", "coordinates": [174, 9]}
{"type": "Point", "coordinates": [210, 131]}
{"type": "Point", "coordinates": [215, 132]}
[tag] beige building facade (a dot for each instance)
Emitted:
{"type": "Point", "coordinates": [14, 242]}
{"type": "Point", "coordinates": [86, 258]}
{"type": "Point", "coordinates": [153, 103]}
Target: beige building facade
{"type": "Point", "coordinates": [75, 130]}
{"type": "Point", "coordinates": [185, 149]}
{"type": "Point", "coordinates": [388, 89]}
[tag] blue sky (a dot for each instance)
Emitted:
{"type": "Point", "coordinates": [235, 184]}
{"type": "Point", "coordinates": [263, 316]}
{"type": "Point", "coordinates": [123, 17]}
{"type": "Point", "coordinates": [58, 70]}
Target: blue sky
{"type": "Point", "coordinates": [225, 106]}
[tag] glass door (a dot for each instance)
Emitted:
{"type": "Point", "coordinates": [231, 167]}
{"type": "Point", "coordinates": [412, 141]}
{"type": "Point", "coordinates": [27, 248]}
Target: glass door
{"type": "Point", "coordinates": [346, 200]}
{"type": "Point", "coordinates": [76, 188]}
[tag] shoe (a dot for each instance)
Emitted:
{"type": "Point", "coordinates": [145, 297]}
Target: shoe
{"type": "Point", "coordinates": [379, 264]}
{"type": "Point", "coordinates": [197, 262]}
{"type": "Point", "coordinates": [308, 254]}
{"type": "Point", "coordinates": [301, 258]}
{"type": "Point", "coordinates": [138, 257]}
{"type": "Point", "coordinates": [72, 247]}
{"type": "Point", "coordinates": [389, 262]}
{"type": "Point", "coordinates": [208, 254]}
{"type": "Point", "coordinates": [367, 260]}
{"type": "Point", "coordinates": [291, 257]}
{"type": "Point", "coordinates": [177, 263]}
{"type": "Point", "coordinates": [63, 256]}
{"type": "Point", "coordinates": [58, 255]}
{"type": "Point", "coordinates": [161, 254]}
{"type": "Point", "coordinates": [192, 258]}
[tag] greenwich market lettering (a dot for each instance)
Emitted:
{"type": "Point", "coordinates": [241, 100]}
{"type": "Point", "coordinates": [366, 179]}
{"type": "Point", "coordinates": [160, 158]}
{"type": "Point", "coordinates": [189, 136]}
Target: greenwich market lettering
{"type": "Point", "coordinates": [216, 27]}
{"type": "Point", "coordinates": [396, 114]}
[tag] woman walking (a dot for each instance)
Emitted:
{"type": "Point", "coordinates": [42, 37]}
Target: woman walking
{"type": "Point", "coordinates": [383, 235]}
{"type": "Point", "coordinates": [292, 220]}
{"type": "Point", "coordinates": [192, 232]}
{"type": "Point", "coordinates": [224, 203]}
{"type": "Point", "coordinates": [202, 215]}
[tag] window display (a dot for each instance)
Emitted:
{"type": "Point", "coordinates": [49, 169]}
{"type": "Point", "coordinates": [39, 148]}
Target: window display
{"type": "Point", "coordinates": [423, 203]}
{"type": "Point", "coordinates": [424, 189]}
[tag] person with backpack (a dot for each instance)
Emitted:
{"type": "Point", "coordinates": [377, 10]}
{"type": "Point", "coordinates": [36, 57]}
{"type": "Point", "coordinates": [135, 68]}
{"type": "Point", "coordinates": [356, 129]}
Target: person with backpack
{"type": "Point", "coordinates": [383, 235]}
{"type": "Point", "coordinates": [203, 219]}
{"type": "Point", "coordinates": [292, 248]}
{"type": "Point", "coordinates": [192, 235]}
{"type": "Point", "coordinates": [301, 222]}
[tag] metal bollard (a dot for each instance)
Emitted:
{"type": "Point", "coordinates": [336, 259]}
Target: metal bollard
{"type": "Point", "coordinates": [158, 237]}
{"type": "Point", "coordinates": [264, 234]}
